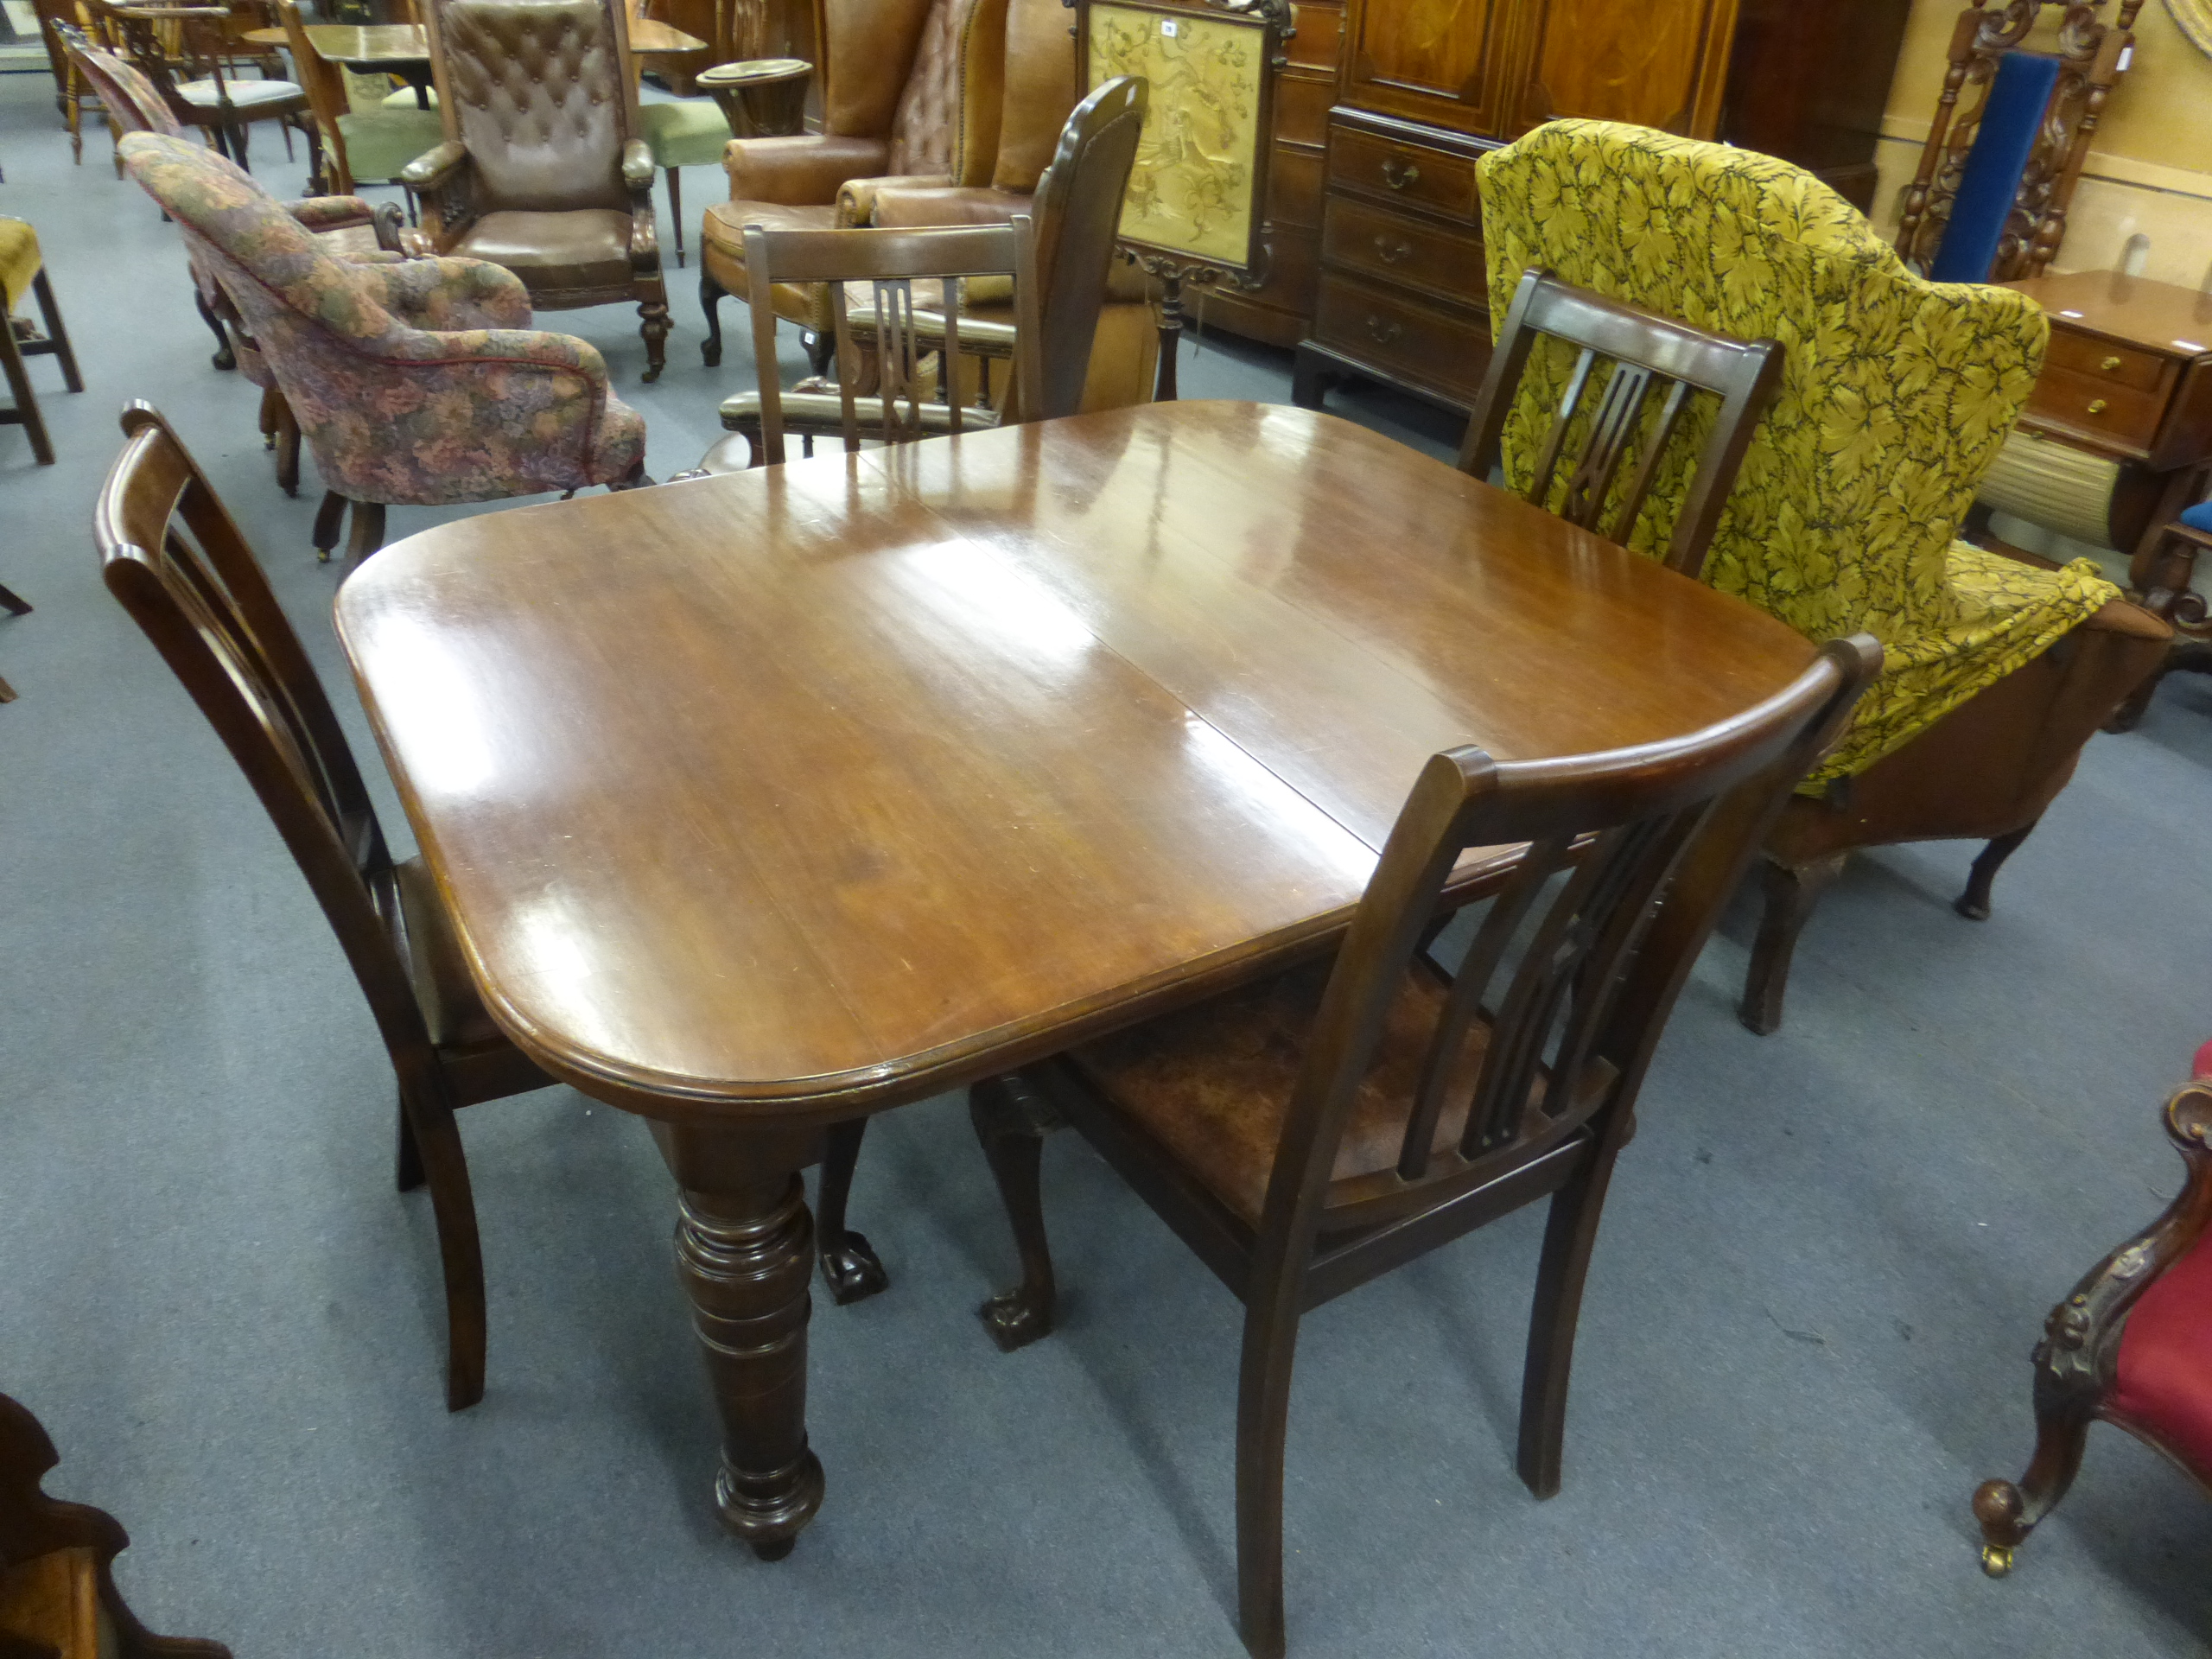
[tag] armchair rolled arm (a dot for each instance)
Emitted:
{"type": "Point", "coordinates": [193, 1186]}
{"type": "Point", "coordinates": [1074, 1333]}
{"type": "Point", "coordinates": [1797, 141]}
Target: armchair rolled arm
{"type": "Point", "coordinates": [433, 168]}
{"type": "Point", "coordinates": [638, 164]}
{"type": "Point", "coordinates": [803, 171]}
{"type": "Point", "coordinates": [860, 201]}
{"type": "Point", "coordinates": [332, 212]}
{"type": "Point", "coordinates": [448, 294]}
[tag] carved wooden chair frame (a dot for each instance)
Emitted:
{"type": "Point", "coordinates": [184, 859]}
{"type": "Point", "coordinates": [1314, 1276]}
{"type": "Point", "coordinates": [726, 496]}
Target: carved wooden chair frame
{"type": "Point", "coordinates": [2093, 55]}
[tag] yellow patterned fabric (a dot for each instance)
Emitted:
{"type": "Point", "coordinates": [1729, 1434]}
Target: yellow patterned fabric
{"type": "Point", "coordinates": [18, 261]}
{"type": "Point", "coordinates": [1896, 396]}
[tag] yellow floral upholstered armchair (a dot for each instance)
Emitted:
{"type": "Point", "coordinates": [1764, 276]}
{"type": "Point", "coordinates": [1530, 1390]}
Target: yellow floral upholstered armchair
{"type": "Point", "coordinates": [1896, 395]}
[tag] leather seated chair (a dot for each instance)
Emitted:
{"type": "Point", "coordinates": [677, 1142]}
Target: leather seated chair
{"type": "Point", "coordinates": [543, 169]}
{"type": "Point", "coordinates": [910, 88]}
{"type": "Point", "coordinates": [1897, 394]}
{"type": "Point", "coordinates": [2131, 1347]}
{"type": "Point", "coordinates": [1078, 207]}
{"type": "Point", "coordinates": [416, 382]}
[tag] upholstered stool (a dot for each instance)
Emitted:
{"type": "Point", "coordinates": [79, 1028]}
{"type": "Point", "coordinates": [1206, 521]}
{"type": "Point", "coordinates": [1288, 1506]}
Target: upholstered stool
{"type": "Point", "coordinates": [21, 271]}
{"type": "Point", "coordinates": [689, 133]}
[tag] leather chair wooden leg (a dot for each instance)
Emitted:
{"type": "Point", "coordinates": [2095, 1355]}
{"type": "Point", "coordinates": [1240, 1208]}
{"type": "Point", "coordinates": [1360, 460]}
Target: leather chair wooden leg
{"type": "Point", "coordinates": [653, 325]}
{"type": "Point", "coordinates": [711, 295]}
{"type": "Point", "coordinates": [850, 1267]}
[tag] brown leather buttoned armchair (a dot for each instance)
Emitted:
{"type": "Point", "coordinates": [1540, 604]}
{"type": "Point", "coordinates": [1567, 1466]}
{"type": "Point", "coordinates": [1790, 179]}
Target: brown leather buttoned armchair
{"type": "Point", "coordinates": [910, 88]}
{"type": "Point", "coordinates": [543, 169]}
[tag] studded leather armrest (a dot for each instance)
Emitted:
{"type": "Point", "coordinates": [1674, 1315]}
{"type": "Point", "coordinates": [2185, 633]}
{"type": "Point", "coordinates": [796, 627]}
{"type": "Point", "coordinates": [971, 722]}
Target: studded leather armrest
{"type": "Point", "coordinates": [638, 164]}
{"type": "Point", "coordinates": [432, 167]}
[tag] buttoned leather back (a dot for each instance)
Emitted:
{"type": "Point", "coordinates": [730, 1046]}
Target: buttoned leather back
{"type": "Point", "coordinates": [538, 93]}
{"type": "Point", "coordinates": [868, 52]}
{"type": "Point", "coordinates": [1039, 91]}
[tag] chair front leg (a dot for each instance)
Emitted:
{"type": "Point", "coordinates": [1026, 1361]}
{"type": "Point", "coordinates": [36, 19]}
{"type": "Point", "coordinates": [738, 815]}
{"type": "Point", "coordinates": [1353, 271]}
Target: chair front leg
{"type": "Point", "coordinates": [224, 357]}
{"type": "Point", "coordinates": [653, 324]}
{"type": "Point", "coordinates": [329, 518]}
{"type": "Point", "coordinates": [850, 1267]}
{"type": "Point", "coordinates": [710, 295]}
{"type": "Point", "coordinates": [675, 209]}
{"type": "Point", "coordinates": [57, 335]}
{"type": "Point", "coordinates": [1262, 1425]}
{"type": "Point", "coordinates": [1570, 1233]}
{"type": "Point", "coordinates": [436, 1137]}
{"type": "Point", "coordinates": [1011, 1118]}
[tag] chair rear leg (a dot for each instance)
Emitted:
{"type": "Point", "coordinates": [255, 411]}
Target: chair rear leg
{"type": "Point", "coordinates": [51, 313]}
{"type": "Point", "coordinates": [328, 519]}
{"type": "Point", "coordinates": [849, 1265]}
{"type": "Point", "coordinates": [1570, 1232]}
{"type": "Point", "coordinates": [1973, 903]}
{"type": "Point", "coordinates": [1011, 1118]}
{"type": "Point", "coordinates": [711, 293]}
{"type": "Point", "coordinates": [19, 387]}
{"type": "Point", "coordinates": [1262, 1424]}
{"type": "Point", "coordinates": [1791, 892]}
{"type": "Point", "coordinates": [2008, 1513]}
{"type": "Point", "coordinates": [676, 210]}
{"type": "Point", "coordinates": [445, 1169]}
{"type": "Point", "coordinates": [225, 358]}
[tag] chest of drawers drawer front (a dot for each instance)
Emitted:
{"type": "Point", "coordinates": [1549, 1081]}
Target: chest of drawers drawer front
{"type": "Point", "coordinates": [2105, 360]}
{"type": "Point", "coordinates": [1397, 248]}
{"type": "Point", "coordinates": [1443, 349]}
{"type": "Point", "coordinates": [1405, 174]}
{"type": "Point", "coordinates": [2096, 405]}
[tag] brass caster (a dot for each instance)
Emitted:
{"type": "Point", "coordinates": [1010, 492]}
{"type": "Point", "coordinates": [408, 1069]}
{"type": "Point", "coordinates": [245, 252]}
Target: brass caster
{"type": "Point", "coordinates": [1996, 1560]}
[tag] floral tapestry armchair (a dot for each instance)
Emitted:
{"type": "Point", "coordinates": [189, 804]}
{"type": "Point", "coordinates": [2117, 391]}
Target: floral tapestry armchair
{"type": "Point", "coordinates": [1896, 395]}
{"type": "Point", "coordinates": [415, 382]}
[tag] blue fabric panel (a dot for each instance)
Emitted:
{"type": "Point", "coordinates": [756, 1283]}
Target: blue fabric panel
{"type": "Point", "coordinates": [2198, 516]}
{"type": "Point", "coordinates": [1992, 180]}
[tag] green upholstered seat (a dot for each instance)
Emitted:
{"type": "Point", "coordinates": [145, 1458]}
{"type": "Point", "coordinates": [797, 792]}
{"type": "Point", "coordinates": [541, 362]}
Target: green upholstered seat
{"type": "Point", "coordinates": [688, 133]}
{"type": "Point", "coordinates": [405, 98]}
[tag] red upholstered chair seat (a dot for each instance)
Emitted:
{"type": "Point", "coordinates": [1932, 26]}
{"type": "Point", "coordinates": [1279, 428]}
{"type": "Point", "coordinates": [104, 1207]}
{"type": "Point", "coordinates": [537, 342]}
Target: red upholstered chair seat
{"type": "Point", "coordinates": [2164, 1382]}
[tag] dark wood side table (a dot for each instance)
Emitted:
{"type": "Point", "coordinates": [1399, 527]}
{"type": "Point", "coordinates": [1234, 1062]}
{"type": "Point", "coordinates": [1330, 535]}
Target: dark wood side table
{"type": "Point", "coordinates": [2129, 377]}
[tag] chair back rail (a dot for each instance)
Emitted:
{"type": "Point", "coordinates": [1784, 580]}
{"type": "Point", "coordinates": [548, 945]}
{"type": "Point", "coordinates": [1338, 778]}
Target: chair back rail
{"type": "Point", "coordinates": [1642, 354]}
{"type": "Point", "coordinates": [171, 554]}
{"type": "Point", "coordinates": [1078, 210]}
{"type": "Point", "coordinates": [891, 261]}
{"type": "Point", "coordinates": [326, 96]}
{"type": "Point", "coordinates": [1631, 853]}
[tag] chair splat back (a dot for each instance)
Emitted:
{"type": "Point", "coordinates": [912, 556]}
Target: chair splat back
{"type": "Point", "coordinates": [1631, 853]}
{"type": "Point", "coordinates": [174, 557]}
{"type": "Point", "coordinates": [893, 376]}
{"type": "Point", "coordinates": [1644, 355]}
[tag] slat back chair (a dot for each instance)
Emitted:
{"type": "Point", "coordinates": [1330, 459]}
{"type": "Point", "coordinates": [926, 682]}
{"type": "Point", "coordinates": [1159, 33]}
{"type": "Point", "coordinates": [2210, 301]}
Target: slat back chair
{"type": "Point", "coordinates": [907, 397]}
{"type": "Point", "coordinates": [1427, 1104]}
{"type": "Point", "coordinates": [189, 53]}
{"type": "Point", "coordinates": [172, 557]}
{"type": "Point", "coordinates": [1644, 355]}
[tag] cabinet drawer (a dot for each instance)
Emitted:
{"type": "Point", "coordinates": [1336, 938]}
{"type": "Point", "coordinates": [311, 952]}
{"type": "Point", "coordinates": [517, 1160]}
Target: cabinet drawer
{"type": "Point", "coordinates": [1400, 249]}
{"type": "Point", "coordinates": [2102, 360]}
{"type": "Point", "coordinates": [2095, 403]}
{"type": "Point", "coordinates": [1403, 337]}
{"type": "Point", "coordinates": [1390, 171]}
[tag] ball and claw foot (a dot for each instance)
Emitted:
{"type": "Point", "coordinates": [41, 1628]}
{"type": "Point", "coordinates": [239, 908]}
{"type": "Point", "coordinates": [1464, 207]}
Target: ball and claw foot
{"type": "Point", "coordinates": [1996, 1560]}
{"type": "Point", "coordinates": [1013, 1320]}
{"type": "Point", "coordinates": [853, 1271]}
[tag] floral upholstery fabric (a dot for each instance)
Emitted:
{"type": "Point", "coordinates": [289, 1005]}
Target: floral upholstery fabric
{"type": "Point", "coordinates": [396, 411]}
{"type": "Point", "coordinates": [1896, 396]}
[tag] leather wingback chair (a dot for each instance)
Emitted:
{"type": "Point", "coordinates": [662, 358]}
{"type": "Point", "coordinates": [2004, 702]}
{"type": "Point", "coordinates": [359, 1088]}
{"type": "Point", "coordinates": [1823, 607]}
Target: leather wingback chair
{"type": "Point", "coordinates": [416, 382]}
{"type": "Point", "coordinates": [1115, 295]}
{"type": "Point", "coordinates": [1896, 396]}
{"type": "Point", "coordinates": [543, 169]}
{"type": "Point", "coordinates": [910, 88]}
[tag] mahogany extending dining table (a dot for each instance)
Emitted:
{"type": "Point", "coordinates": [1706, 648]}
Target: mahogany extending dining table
{"type": "Point", "coordinates": [768, 801]}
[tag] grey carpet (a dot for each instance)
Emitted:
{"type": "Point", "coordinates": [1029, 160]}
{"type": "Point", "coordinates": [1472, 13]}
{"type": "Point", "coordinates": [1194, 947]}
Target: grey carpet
{"type": "Point", "coordinates": [1804, 1341]}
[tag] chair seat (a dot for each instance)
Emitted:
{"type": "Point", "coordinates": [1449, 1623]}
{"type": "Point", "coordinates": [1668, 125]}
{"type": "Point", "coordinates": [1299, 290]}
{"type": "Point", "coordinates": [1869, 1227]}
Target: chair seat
{"type": "Point", "coordinates": [19, 260]}
{"type": "Point", "coordinates": [1212, 1083]}
{"type": "Point", "coordinates": [691, 133]}
{"type": "Point", "coordinates": [380, 143]}
{"type": "Point", "coordinates": [586, 249]}
{"type": "Point", "coordinates": [824, 411]}
{"type": "Point", "coordinates": [722, 226]}
{"type": "Point", "coordinates": [450, 1006]}
{"type": "Point", "coordinates": [2165, 1373]}
{"type": "Point", "coordinates": [248, 92]}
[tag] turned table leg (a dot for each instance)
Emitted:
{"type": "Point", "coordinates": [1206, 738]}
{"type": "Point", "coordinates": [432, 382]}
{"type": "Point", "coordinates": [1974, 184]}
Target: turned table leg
{"type": "Point", "coordinates": [744, 1251]}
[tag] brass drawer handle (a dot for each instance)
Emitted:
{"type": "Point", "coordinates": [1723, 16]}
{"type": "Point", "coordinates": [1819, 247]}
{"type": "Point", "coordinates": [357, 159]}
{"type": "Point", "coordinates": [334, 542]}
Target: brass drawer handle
{"type": "Point", "coordinates": [2109, 364]}
{"type": "Point", "coordinates": [1391, 253]}
{"type": "Point", "coordinates": [1398, 174]}
{"type": "Point", "coordinates": [1383, 332]}
{"type": "Point", "coordinates": [2097, 406]}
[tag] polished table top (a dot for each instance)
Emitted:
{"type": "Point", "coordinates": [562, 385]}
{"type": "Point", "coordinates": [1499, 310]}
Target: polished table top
{"type": "Point", "coordinates": [830, 786]}
{"type": "Point", "coordinates": [391, 45]}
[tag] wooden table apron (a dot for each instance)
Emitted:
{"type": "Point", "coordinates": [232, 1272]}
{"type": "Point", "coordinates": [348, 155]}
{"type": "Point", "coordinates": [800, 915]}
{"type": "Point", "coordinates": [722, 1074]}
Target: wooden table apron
{"type": "Point", "coordinates": [769, 800]}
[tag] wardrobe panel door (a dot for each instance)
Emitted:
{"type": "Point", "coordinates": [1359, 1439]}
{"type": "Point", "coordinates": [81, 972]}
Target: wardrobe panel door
{"type": "Point", "coordinates": [1657, 63]}
{"type": "Point", "coordinates": [1433, 61]}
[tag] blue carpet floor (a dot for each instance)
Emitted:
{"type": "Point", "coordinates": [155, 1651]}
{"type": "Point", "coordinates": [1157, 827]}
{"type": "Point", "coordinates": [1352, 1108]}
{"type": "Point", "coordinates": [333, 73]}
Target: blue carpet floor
{"type": "Point", "coordinates": [1805, 1340]}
